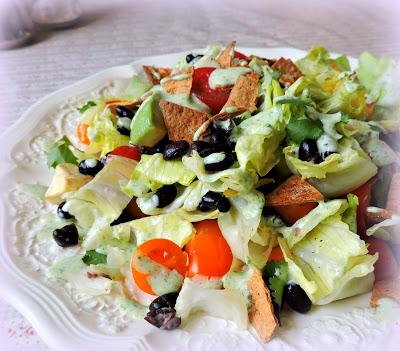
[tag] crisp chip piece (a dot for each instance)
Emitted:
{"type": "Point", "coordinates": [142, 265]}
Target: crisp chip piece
{"type": "Point", "coordinates": [244, 93]}
{"type": "Point", "coordinates": [225, 58]}
{"type": "Point", "coordinates": [155, 74]}
{"type": "Point", "coordinates": [261, 313]}
{"type": "Point", "coordinates": [181, 122]}
{"type": "Point", "coordinates": [130, 105]}
{"type": "Point", "coordinates": [393, 199]}
{"type": "Point", "coordinates": [180, 83]}
{"type": "Point", "coordinates": [385, 289]}
{"type": "Point", "coordinates": [290, 72]}
{"type": "Point", "coordinates": [293, 191]}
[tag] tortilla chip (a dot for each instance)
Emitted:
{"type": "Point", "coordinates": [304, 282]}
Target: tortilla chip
{"type": "Point", "coordinates": [130, 105]}
{"type": "Point", "coordinates": [385, 289]}
{"type": "Point", "coordinates": [261, 313]}
{"type": "Point", "coordinates": [294, 191]}
{"type": "Point", "coordinates": [375, 217]}
{"type": "Point", "coordinates": [244, 93]}
{"type": "Point", "coordinates": [181, 86]}
{"type": "Point", "coordinates": [181, 122]}
{"type": "Point", "coordinates": [393, 199]}
{"type": "Point", "coordinates": [225, 58]}
{"type": "Point", "coordinates": [290, 72]}
{"type": "Point", "coordinates": [155, 74]}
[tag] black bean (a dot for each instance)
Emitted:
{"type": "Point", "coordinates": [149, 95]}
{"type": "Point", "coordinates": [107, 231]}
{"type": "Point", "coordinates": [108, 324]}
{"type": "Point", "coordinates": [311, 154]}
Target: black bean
{"type": "Point", "coordinates": [199, 145]}
{"type": "Point", "coordinates": [166, 300]}
{"type": "Point", "coordinates": [191, 59]}
{"type": "Point", "coordinates": [125, 112]}
{"type": "Point", "coordinates": [165, 195]}
{"type": "Point", "coordinates": [63, 214]}
{"type": "Point", "coordinates": [308, 151]}
{"type": "Point", "coordinates": [86, 167]}
{"type": "Point", "coordinates": [164, 318]}
{"type": "Point", "coordinates": [212, 201]}
{"type": "Point", "coordinates": [297, 298]}
{"type": "Point", "coordinates": [66, 236]}
{"type": "Point", "coordinates": [176, 149]}
{"type": "Point", "coordinates": [124, 131]}
{"type": "Point", "coordinates": [150, 150]}
{"type": "Point", "coordinates": [228, 161]}
{"type": "Point", "coordinates": [224, 127]}
{"type": "Point", "coordinates": [221, 142]}
{"type": "Point", "coordinates": [327, 153]}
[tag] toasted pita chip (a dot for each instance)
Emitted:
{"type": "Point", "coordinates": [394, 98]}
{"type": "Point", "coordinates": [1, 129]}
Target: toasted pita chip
{"type": "Point", "coordinates": [225, 58]}
{"type": "Point", "coordinates": [290, 72]}
{"type": "Point", "coordinates": [261, 313]}
{"type": "Point", "coordinates": [244, 93]}
{"type": "Point", "coordinates": [181, 122]}
{"type": "Point", "coordinates": [377, 215]}
{"type": "Point", "coordinates": [130, 105]}
{"type": "Point", "coordinates": [179, 83]}
{"type": "Point", "coordinates": [293, 191]}
{"type": "Point", "coordinates": [393, 200]}
{"type": "Point", "coordinates": [385, 288]}
{"type": "Point", "coordinates": [155, 74]}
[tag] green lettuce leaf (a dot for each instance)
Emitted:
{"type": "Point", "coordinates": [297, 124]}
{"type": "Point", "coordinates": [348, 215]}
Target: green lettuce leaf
{"type": "Point", "coordinates": [60, 152]}
{"type": "Point", "coordinates": [239, 281]}
{"type": "Point", "coordinates": [240, 224]}
{"type": "Point", "coordinates": [343, 63]}
{"type": "Point", "coordinates": [350, 215]}
{"type": "Point", "coordinates": [330, 262]}
{"type": "Point", "coordinates": [226, 304]}
{"type": "Point", "coordinates": [136, 88]}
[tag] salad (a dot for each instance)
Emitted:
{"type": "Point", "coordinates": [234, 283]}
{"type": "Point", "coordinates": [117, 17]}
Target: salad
{"type": "Point", "coordinates": [233, 185]}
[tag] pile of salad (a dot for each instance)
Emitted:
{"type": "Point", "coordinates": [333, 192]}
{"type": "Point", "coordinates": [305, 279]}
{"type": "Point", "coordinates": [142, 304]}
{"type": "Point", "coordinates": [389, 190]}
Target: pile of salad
{"type": "Point", "coordinates": [233, 185]}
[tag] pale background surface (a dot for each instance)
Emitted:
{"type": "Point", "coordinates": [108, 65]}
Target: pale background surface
{"type": "Point", "coordinates": [109, 36]}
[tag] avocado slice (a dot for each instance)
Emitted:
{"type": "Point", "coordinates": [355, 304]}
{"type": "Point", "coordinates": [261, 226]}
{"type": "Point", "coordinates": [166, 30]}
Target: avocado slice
{"type": "Point", "coordinates": [148, 128]}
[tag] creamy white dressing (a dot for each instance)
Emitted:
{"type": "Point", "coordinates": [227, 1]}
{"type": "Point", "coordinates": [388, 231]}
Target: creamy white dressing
{"type": "Point", "coordinates": [91, 162]}
{"type": "Point", "coordinates": [124, 122]}
{"type": "Point", "coordinates": [222, 77]}
{"type": "Point", "coordinates": [155, 201]}
{"type": "Point", "coordinates": [177, 77]}
{"type": "Point", "coordinates": [326, 143]}
{"type": "Point", "coordinates": [351, 87]}
{"type": "Point", "coordinates": [214, 158]}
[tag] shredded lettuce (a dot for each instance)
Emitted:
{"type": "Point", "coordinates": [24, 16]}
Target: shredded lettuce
{"type": "Point", "coordinates": [136, 88]}
{"type": "Point", "coordinates": [350, 215]}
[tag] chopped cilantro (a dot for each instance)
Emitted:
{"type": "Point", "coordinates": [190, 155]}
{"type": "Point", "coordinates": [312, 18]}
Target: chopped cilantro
{"type": "Point", "coordinates": [94, 257]}
{"type": "Point", "coordinates": [304, 129]}
{"type": "Point", "coordinates": [344, 119]}
{"type": "Point", "coordinates": [276, 74]}
{"type": "Point", "coordinates": [275, 275]}
{"type": "Point", "coordinates": [60, 153]}
{"type": "Point", "coordinates": [86, 106]}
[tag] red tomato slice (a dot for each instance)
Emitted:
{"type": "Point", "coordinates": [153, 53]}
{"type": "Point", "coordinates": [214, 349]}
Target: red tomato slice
{"type": "Point", "coordinates": [81, 133]}
{"type": "Point", "coordinates": [162, 251]}
{"type": "Point", "coordinates": [276, 254]}
{"type": "Point", "coordinates": [132, 152]}
{"type": "Point", "coordinates": [215, 99]}
{"type": "Point", "coordinates": [239, 55]}
{"type": "Point", "coordinates": [292, 213]}
{"type": "Point", "coordinates": [386, 267]}
{"type": "Point", "coordinates": [364, 200]}
{"type": "Point", "coordinates": [209, 253]}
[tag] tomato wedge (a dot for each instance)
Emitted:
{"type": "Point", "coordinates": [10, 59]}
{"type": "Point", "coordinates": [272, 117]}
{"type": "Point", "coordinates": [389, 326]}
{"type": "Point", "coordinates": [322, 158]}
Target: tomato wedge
{"type": "Point", "coordinates": [162, 251]}
{"type": "Point", "coordinates": [276, 254]}
{"type": "Point", "coordinates": [239, 55]}
{"type": "Point", "coordinates": [209, 253]}
{"type": "Point", "coordinates": [82, 133]}
{"type": "Point", "coordinates": [386, 267]}
{"type": "Point", "coordinates": [132, 152]}
{"type": "Point", "coordinates": [215, 99]}
{"type": "Point", "coordinates": [364, 200]}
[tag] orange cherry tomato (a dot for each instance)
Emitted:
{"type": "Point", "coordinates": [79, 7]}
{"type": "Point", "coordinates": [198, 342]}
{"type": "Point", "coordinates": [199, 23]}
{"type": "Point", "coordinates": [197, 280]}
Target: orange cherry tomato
{"type": "Point", "coordinates": [209, 253]}
{"type": "Point", "coordinates": [81, 133]}
{"type": "Point", "coordinates": [292, 213]}
{"type": "Point", "coordinates": [162, 251]}
{"type": "Point", "coordinates": [276, 254]}
{"type": "Point", "coordinates": [386, 267]}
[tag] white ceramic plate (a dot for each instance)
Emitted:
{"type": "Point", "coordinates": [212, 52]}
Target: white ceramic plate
{"type": "Point", "coordinates": [69, 321]}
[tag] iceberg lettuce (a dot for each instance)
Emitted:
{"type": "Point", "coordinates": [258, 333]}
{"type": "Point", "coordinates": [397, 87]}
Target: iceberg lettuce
{"type": "Point", "coordinates": [240, 224]}
{"type": "Point", "coordinates": [226, 304]}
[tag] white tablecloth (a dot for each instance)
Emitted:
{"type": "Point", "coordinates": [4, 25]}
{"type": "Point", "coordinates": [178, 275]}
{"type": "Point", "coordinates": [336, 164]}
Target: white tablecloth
{"type": "Point", "coordinates": [112, 35]}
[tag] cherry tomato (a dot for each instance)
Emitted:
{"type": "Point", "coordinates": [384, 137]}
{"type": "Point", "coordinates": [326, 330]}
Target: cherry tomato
{"type": "Point", "coordinates": [364, 199]}
{"type": "Point", "coordinates": [162, 251]}
{"type": "Point", "coordinates": [215, 99]}
{"type": "Point", "coordinates": [276, 254]}
{"type": "Point", "coordinates": [81, 133]}
{"type": "Point", "coordinates": [239, 55]}
{"type": "Point", "coordinates": [132, 152]}
{"type": "Point", "coordinates": [386, 267]}
{"type": "Point", "coordinates": [209, 253]}
{"type": "Point", "coordinates": [292, 213]}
